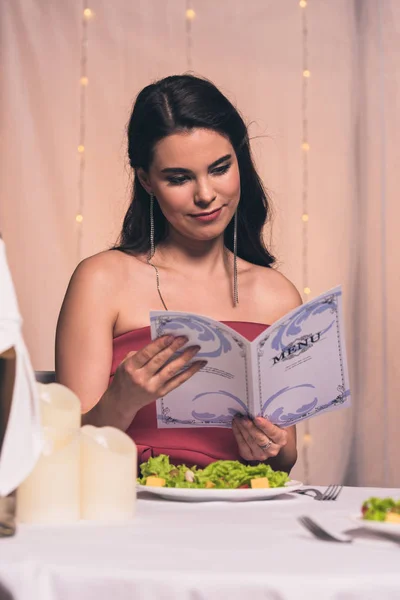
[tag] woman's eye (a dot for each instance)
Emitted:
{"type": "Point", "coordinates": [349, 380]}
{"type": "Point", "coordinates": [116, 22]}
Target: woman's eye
{"type": "Point", "coordinates": [177, 180]}
{"type": "Point", "coordinates": [221, 170]}
{"type": "Point", "coordinates": [181, 179]}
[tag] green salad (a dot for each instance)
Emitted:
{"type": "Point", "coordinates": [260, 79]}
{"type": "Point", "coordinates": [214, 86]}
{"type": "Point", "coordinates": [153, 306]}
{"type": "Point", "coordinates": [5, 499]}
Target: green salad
{"type": "Point", "coordinates": [381, 509]}
{"type": "Point", "coordinates": [222, 474]}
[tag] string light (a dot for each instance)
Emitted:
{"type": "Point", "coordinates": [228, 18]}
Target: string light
{"type": "Point", "coordinates": [190, 16]}
{"type": "Point", "coordinates": [305, 146]}
{"type": "Point", "coordinates": [87, 15]}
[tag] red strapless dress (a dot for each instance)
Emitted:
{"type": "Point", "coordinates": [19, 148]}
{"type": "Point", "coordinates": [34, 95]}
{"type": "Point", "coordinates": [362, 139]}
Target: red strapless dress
{"type": "Point", "coordinates": [198, 446]}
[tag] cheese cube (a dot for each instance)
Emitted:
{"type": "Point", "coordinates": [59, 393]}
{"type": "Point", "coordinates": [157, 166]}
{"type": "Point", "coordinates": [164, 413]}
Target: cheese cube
{"type": "Point", "coordinates": [392, 517]}
{"type": "Point", "coordinates": [155, 481]}
{"type": "Point", "coordinates": [260, 482]}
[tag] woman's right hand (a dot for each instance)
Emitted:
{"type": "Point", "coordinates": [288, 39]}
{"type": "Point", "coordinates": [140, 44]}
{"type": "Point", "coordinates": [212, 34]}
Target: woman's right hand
{"type": "Point", "coordinates": [148, 374]}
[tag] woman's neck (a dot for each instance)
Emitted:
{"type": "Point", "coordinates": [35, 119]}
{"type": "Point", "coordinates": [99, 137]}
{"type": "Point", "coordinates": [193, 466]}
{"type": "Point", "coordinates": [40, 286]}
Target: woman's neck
{"type": "Point", "coordinates": [205, 256]}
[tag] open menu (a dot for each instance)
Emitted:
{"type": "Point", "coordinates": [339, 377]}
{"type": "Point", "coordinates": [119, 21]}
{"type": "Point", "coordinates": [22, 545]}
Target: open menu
{"type": "Point", "coordinates": [294, 370]}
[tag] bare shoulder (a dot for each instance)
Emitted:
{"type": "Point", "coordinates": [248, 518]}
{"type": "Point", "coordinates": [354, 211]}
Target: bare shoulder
{"type": "Point", "coordinates": [104, 271]}
{"type": "Point", "coordinates": [275, 282]}
{"type": "Point", "coordinates": [275, 294]}
{"type": "Point", "coordinates": [95, 287]}
{"type": "Point", "coordinates": [99, 267]}
{"type": "Point", "coordinates": [101, 283]}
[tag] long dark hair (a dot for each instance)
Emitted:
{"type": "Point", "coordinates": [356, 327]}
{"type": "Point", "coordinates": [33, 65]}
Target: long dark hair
{"type": "Point", "coordinates": [182, 103]}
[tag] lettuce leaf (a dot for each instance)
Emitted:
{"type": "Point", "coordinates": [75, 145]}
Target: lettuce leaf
{"type": "Point", "coordinates": [225, 474]}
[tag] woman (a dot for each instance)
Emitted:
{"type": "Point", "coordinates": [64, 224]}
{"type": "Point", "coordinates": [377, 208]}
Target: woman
{"type": "Point", "coordinates": [191, 240]}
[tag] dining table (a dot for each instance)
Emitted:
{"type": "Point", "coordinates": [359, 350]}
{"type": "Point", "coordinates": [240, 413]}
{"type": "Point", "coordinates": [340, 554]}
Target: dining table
{"type": "Point", "coordinates": [255, 549]}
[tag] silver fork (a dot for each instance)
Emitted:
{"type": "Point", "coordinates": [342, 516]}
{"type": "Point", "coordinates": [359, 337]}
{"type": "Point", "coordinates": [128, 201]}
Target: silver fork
{"type": "Point", "coordinates": [331, 493]}
{"type": "Point", "coordinates": [321, 533]}
{"type": "Point", "coordinates": [327, 536]}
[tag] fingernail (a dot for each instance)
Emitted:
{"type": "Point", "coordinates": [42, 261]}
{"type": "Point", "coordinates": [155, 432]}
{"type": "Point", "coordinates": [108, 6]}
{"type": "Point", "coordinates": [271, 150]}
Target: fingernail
{"type": "Point", "coordinates": [182, 339]}
{"type": "Point", "coordinates": [169, 339]}
{"type": "Point", "coordinates": [195, 349]}
{"type": "Point", "coordinates": [202, 363]}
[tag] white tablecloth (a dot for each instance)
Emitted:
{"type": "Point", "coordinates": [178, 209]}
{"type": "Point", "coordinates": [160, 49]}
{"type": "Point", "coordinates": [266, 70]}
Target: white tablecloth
{"type": "Point", "coordinates": [182, 551]}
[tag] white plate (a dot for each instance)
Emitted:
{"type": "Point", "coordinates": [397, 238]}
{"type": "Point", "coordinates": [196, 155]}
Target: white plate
{"type": "Point", "coordinates": [377, 525]}
{"type": "Point", "coordinates": [209, 495]}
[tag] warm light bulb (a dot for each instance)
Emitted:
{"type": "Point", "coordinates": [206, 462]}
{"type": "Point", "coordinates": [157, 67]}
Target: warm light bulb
{"type": "Point", "coordinates": [84, 80]}
{"type": "Point", "coordinates": [306, 73]}
{"type": "Point", "coordinates": [88, 13]}
{"type": "Point", "coordinates": [303, 3]}
{"type": "Point", "coordinates": [305, 146]}
{"type": "Point", "coordinates": [79, 218]}
{"type": "Point", "coordinates": [305, 218]}
{"type": "Point", "coordinates": [81, 148]}
{"type": "Point", "coordinates": [307, 439]}
{"type": "Point", "coordinates": [307, 291]}
{"type": "Point", "coordinates": [190, 14]}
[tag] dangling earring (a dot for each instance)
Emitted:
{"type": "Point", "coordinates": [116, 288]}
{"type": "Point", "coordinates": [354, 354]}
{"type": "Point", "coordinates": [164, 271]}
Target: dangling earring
{"type": "Point", "coordinates": [235, 275]}
{"type": "Point", "coordinates": [153, 249]}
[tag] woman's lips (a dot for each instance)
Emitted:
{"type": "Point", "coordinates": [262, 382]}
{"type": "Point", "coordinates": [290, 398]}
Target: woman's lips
{"type": "Point", "coordinates": [210, 216]}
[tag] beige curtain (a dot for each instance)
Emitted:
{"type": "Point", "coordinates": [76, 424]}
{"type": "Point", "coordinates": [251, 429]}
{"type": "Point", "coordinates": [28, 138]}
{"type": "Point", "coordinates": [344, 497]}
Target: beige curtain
{"type": "Point", "coordinates": [253, 52]}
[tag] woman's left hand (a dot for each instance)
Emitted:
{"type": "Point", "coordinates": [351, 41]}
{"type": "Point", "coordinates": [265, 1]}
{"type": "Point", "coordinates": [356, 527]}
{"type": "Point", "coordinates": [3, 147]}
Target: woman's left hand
{"type": "Point", "coordinates": [258, 440]}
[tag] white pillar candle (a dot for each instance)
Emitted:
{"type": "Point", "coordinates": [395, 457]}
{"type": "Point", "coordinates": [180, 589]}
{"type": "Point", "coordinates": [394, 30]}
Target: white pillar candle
{"type": "Point", "coordinates": [59, 407]}
{"type": "Point", "coordinates": [51, 493]}
{"type": "Point", "coordinates": [108, 474]}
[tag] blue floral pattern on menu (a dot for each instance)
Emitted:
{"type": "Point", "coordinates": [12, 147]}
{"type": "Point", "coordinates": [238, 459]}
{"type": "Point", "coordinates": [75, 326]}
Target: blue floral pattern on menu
{"type": "Point", "coordinates": [216, 342]}
{"type": "Point", "coordinates": [308, 409]}
{"type": "Point", "coordinates": [292, 404]}
{"type": "Point", "coordinates": [295, 325]}
{"type": "Point", "coordinates": [278, 415]}
{"type": "Point", "coordinates": [208, 418]}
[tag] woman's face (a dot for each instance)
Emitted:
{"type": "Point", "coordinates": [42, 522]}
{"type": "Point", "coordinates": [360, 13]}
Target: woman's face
{"type": "Point", "coordinates": [195, 178]}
